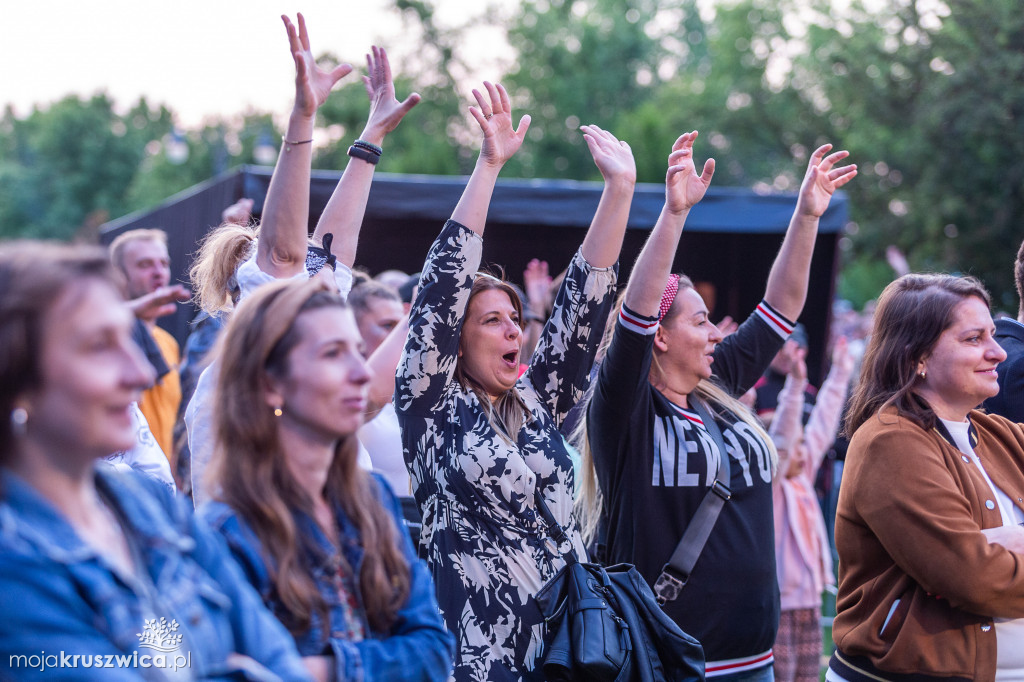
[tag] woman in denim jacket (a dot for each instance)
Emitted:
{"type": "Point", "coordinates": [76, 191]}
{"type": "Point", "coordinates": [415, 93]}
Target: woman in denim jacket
{"type": "Point", "coordinates": [102, 574]}
{"type": "Point", "coordinates": [321, 539]}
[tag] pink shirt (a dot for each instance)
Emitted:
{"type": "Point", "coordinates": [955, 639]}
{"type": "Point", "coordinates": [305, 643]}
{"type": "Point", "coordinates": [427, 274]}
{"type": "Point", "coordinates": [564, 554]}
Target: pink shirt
{"type": "Point", "coordinates": [802, 554]}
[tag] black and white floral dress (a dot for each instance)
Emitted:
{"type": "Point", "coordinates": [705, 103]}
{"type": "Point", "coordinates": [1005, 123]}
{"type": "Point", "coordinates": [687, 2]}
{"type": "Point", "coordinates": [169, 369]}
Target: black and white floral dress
{"type": "Point", "coordinates": [486, 544]}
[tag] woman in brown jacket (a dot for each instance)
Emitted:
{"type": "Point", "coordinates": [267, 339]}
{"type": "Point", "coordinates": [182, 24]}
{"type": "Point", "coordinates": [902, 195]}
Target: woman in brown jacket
{"type": "Point", "coordinates": [931, 553]}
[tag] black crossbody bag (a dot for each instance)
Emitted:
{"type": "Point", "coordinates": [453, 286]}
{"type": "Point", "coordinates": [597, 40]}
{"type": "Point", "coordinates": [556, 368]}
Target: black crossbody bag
{"type": "Point", "coordinates": [606, 624]}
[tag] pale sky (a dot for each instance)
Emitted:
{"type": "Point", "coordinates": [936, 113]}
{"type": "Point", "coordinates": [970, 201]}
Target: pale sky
{"type": "Point", "coordinates": [197, 57]}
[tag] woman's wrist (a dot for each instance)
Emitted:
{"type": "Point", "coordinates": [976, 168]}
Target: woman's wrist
{"type": "Point", "coordinates": [373, 135]}
{"type": "Point", "coordinates": [300, 125]}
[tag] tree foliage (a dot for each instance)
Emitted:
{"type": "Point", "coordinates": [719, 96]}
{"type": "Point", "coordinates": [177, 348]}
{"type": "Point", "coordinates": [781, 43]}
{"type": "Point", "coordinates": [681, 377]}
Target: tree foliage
{"type": "Point", "coordinates": [925, 94]}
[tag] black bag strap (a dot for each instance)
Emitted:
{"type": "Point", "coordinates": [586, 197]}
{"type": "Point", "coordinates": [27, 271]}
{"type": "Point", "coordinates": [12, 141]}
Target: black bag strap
{"type": "Point", "coordinates": [677, 571]}
{"type": "Point", "coordinates": [555, 530]}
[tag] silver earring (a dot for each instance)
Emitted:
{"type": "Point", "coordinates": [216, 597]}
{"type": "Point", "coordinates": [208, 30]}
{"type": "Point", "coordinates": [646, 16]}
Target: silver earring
{"type": "Point", "coordinates": [923, 374]}
{"type": "Point", "coordinates": [19, 421]}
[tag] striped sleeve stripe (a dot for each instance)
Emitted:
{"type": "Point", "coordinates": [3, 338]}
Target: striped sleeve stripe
{"type": "Point", "coordinates": [738, 665]}
{"type": "Point", "coordinates": [780, 324]}
{"type": "Point", "coordinates": [637, 323]}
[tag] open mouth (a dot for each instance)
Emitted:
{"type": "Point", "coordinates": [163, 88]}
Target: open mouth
{"type": "Point", "coordinates": [511, 358]}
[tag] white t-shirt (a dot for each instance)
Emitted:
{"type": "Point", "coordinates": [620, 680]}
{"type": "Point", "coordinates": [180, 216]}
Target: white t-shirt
{"type": "Point", "coordinates": [146, 455]}
{"type": "Point", "coordinates": [382, 438]}
{"type": "Point", "coordinates": [1009, 631]}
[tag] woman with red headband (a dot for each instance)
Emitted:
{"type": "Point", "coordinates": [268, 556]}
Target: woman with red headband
{"type": "Point", "coordinates": [648, 453]}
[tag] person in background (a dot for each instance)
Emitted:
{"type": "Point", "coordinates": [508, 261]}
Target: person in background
{"type": "Point", "coordinates": [378, 310]}
{"type": "Point", "coordinates": [380, 315]}
{"type": "Point", "coordinates": [141, 256]}
{"type": "Point", "coordinates": [319, 538]}
{"type": "Point", "coordinates": [1009, 402]}
{"type": "Point", "coordinates": [803, 556]}
{"type": "Point", "coordinates": [928, 526]}
{"type": "Point", "coordinates": [91, 557]}
{"type": "Point", "coordinates": [770, 384]}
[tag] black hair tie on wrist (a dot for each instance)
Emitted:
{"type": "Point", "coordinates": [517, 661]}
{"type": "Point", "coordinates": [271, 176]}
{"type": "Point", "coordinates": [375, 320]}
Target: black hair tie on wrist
{"type": "Point", "coordinates": [318, 258]}
{"type": "Point", "coordinates": [332, 260]}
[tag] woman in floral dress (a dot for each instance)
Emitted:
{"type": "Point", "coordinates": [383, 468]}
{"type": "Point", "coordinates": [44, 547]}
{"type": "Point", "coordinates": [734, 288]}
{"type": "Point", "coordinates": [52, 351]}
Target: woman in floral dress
{"type": "Point", "coordinates": [481, 441]}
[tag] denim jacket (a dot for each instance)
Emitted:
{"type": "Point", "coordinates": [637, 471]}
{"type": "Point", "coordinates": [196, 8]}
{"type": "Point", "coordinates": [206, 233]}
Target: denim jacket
{"type": "Point", "coordinates": [417, 647]}
{"type": "Point", "coordinates": [61, 599]}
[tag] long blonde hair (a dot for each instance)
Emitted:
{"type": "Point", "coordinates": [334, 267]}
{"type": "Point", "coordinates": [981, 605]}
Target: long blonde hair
{"type": "Point", "coordinates": [250, 474]}
{"type": "Point", "coordinates": [590, 500]}
{"type": "Point", "coordinates": [213, 270]}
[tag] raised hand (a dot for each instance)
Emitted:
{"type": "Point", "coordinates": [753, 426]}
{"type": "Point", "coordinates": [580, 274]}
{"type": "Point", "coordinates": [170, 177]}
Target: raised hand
{"type": "Point", "coordinates": [683, 187]}
{"type": "Point", "coordinates": [613, 157]}
{"type": "Point", "coordinates": [799, 369]}
{"type": "Point", "coordinates": [386, 112]}
{"type": "Point", "coordinates": [537, 283]}
{"type": "Point", "coordinates": [841, 355]}
{"type": "Point", "coordinates": [159, 303]}
{"type": "Point", "coordinates": [501, 140]}
{"type": "Point", "coordinates": [821, 181]}
{"type": "Point", "coordinates": [238, 213]}
{"type": "Point", "coordinates": [312, 84]}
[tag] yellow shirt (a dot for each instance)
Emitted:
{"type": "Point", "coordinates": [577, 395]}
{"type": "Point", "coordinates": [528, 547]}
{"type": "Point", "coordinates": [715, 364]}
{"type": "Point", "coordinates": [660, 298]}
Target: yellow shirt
{"type": "Point", "coordinates": [160, 403]}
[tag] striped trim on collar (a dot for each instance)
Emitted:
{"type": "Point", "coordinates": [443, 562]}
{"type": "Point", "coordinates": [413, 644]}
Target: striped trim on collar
{"type": "Point", "coordinates": [688, 414]}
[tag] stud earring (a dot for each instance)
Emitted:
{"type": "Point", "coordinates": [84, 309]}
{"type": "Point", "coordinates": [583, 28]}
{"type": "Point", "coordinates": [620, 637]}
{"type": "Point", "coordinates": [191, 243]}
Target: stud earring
{"type": "Point", "coordinates": [923, 374]}
{"type": "Point", "coordinates": [19, 421]}
{"type": "Point", "coordinates": [278, 411]}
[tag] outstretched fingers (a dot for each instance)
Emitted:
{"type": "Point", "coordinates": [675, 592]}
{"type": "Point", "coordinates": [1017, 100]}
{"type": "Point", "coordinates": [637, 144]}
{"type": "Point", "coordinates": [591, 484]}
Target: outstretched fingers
{"type": "Point", "coordinates": [482, 103]}
{"type": "Point", "coordinates": [841, 176]}
{"type": "Point", "coordinates": [707, 172]}
{"type": "Point", "coordinates": [293, 37]}
{"type": "Point", "coordinates": [496, 99]}
{"type": "Point", "coordinates": [303, 33]}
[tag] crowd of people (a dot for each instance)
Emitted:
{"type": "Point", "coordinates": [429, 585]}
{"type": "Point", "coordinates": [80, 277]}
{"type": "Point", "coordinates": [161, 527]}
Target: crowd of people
{"type": "Point", "coordinates": [341, 477]}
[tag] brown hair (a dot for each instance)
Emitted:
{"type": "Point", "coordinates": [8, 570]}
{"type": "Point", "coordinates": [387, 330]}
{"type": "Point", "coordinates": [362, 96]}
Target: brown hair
{"type": "Point", "coordinates": [125, 238]}
{"type": "Point", "coordinates": [33, 275]}
{"type": "Point", "coordinates": [250, 475]}
{"type": "Point", "coordinates": [912, 313]}
{"type": "Point", "coordinates": [359, 297]}
{"type": "Point", "coordinates": [508, 413]}
{"type": "Point", "coordinates": [213, 270]}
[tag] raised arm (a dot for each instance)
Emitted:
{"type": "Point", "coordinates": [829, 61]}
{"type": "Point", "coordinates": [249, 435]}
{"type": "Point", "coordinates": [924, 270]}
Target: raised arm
{"type": "Point", "coordinates": [823, 425]}
{"type": "Point", "coordinates": [787, 282]}
{"type": "Point", "coordinates": [282, 245]}
{"type": "Point", "coordinates": [787, 427]}
{"type": "Point", "coordinates": [683, 189]}
{"type": "Point", "coordinates": [501, 142]}
{"type": "Point", "coordinates": [560, 367]}
{"type": "Point", "coordinates": [614, 159]}
{"type": "Point", "coordinates": [383, 363]}
{"type": "Point", "coordinates": [343, 215]}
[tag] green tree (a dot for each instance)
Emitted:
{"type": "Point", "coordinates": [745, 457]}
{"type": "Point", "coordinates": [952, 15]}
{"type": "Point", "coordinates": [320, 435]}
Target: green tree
{"type": "Point", "coordinates": [68, 161]}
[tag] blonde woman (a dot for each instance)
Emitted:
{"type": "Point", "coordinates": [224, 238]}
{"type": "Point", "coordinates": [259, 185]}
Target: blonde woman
{"type": "Point", "coordinates": [653, 457]}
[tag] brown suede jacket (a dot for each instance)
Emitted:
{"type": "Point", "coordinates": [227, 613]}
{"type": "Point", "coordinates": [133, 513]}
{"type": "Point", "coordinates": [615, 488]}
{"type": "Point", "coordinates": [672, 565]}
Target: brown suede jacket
{"type": "Point", "coordinates": [919, 584]}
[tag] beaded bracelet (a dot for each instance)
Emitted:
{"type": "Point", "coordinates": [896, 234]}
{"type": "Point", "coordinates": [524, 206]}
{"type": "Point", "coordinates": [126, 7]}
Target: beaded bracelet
{"type": "Point", "coordinates": [368, 146]}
